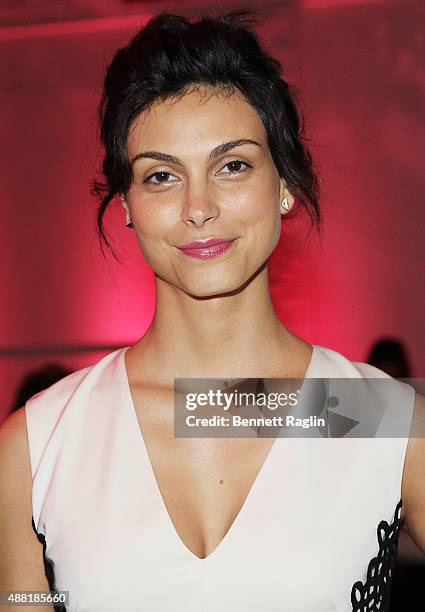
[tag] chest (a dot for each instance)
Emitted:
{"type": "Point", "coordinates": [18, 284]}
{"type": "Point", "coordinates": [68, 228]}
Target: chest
{"type": "Point", "coordinates": [309, 519]}
{"type": "Point", "coordinates": [203, 483]}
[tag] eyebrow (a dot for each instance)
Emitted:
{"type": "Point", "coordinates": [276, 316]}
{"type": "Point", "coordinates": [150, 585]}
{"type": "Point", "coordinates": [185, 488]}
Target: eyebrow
{"type": "Point", "coordinates": [219, 150]}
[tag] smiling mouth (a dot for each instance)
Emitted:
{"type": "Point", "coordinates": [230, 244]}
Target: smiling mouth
{"type": "Point", "coordinates": [207, 252]}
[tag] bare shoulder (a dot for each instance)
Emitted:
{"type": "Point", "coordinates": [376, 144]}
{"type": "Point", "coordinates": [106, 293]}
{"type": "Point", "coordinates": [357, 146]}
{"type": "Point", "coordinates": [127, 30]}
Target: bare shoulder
{"type": "Point", "coordinates": [14, 454]}
{"type": "Point", "coordinates": [413, 486]}
{"type": "Point", "coordinates": [21, 554]}
{"type": "Point", "coordinates": [13, 438]}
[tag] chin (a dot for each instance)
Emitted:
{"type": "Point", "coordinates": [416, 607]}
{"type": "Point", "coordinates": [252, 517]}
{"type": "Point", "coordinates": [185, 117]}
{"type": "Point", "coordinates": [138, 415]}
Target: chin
{"type": "Point", "coordinates": [209, 295]}
{"type": "Point", "coordinates": [207, 289]}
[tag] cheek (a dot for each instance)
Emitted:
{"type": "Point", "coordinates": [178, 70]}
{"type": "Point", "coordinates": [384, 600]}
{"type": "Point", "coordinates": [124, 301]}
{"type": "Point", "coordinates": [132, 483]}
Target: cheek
{"type": "Point", "coordinates": [264, 223]}
{"type": "Point", "coordinates": [153, 221]}
{"type": "Point", "coordinates": [260, 212]}
{"type": "Point", "coordinates": [151, 225]}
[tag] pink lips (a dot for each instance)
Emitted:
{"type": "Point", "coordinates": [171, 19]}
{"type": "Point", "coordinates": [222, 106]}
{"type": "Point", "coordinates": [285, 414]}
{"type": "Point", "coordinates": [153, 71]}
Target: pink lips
{"type": "Point", "coordinates": [205, 249]}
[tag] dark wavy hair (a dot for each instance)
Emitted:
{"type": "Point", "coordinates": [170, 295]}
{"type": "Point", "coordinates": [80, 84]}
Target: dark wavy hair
{"type": "Point", "coordinates": [170, 56]}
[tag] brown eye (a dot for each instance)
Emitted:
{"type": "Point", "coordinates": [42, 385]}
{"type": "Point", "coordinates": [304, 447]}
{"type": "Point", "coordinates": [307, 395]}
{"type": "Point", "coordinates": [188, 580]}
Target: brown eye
{"type": "Point", "coordinates": [235, 166]}
{"type": "Point", "coordinates": [161, 178]}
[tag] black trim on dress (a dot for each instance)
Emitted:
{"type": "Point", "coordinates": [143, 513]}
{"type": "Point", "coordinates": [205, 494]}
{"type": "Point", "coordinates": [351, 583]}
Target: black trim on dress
{"type": "Point", "coordinates": [48, 569]}
{"type": "Point", "coordinates": [374, 594]}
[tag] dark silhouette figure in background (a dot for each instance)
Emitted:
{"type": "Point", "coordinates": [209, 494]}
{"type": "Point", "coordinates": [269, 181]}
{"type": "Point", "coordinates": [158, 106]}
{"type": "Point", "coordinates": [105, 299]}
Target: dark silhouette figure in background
{"type": "Point", "coordinates": [38, 380]}
{"type": "Point", "coordinates": [390, 355]}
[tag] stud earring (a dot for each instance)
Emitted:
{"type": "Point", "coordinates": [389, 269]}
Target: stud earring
{"type": "Point", "coordinates": [128, 222]}
{"type": "Point", "coordinates": [285, 203]}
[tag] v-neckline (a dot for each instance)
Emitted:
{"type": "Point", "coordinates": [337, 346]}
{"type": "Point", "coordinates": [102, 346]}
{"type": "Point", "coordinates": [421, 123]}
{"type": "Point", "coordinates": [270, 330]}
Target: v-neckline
{"type": "Point", "coordinates": [251, 492]}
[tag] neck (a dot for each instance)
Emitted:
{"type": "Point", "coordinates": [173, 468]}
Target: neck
{"type": "Point", "coordinates": [232, 335]}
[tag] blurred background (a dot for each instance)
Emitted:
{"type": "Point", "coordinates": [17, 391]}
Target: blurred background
{"type": "Point", "coordinates": [357, 66]}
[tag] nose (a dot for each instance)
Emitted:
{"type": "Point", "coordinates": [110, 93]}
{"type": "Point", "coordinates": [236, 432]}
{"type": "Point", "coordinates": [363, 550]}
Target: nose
{"type": "Point", "coordinates": [199, 208]}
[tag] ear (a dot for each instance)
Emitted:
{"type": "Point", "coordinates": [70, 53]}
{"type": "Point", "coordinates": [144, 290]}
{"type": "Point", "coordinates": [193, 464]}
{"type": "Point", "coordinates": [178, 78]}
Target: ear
{"type": "Point", "coordinates": [124, 202]}
{"type": "Point", "coordinates": [284, 192]}
{"type": "Point", "coordinates": [125, 206]}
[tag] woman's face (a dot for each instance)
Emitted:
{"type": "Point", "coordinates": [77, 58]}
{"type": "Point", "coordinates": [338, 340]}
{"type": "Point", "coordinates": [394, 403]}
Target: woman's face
{"type": "Point", "coordinates": [186, 189]}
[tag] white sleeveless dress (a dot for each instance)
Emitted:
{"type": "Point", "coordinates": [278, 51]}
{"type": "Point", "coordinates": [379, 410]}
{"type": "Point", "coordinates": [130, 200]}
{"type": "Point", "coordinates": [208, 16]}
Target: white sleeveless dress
{"type": "Point", "coordinates": [318, 531]}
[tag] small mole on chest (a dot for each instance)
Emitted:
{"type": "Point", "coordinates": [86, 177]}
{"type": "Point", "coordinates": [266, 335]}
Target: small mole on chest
{"type": "Point", "coordinates": [221, 482]}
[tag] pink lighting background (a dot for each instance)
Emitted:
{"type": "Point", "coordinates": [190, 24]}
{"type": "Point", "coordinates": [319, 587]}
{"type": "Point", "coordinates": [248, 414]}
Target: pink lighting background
{"type": "Point", "coordinates": [357, 66]}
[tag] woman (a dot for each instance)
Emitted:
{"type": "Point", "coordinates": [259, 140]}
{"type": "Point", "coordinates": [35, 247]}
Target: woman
{"type": "Point", "coordinates": [203, 147]}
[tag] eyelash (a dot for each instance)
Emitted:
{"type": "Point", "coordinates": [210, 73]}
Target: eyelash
{"type": "Point", "coordinates": [234, 161]}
